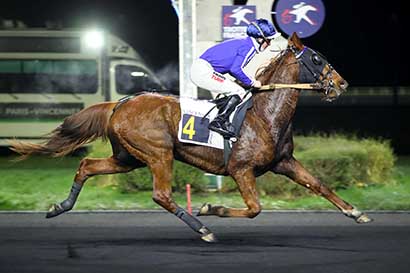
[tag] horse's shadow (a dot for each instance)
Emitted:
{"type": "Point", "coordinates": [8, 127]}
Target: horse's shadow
{"type": "Point", "coordinates": [227, 243]}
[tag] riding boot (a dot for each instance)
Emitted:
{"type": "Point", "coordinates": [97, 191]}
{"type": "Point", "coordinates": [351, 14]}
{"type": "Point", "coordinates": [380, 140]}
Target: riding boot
{"type": "Point", "coordinates": [221, 123]}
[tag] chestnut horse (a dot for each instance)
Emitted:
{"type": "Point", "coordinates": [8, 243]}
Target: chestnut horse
{"type": "Point", "coordinates": [143, 132]}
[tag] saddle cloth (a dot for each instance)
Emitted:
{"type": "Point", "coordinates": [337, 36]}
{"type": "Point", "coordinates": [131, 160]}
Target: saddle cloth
{"type": "Point", "coordinates": [193, 126]}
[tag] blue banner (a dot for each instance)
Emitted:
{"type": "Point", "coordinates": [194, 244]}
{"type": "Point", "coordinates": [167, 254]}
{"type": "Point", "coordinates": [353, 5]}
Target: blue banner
{"type": "Point", "coordinates": [235, 20]}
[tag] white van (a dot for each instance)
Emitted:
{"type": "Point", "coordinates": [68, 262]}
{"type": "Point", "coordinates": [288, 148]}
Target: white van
{"type": "Point", "coordinates": [46, 75]}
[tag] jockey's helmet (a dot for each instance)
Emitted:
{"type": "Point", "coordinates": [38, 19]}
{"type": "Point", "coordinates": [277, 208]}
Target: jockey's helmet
{"type": "Point", "coordinates": [262, 28]}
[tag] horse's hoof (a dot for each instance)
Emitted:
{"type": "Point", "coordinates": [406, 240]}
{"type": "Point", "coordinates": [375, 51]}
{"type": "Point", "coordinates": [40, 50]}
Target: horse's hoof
{"type": "Point", "coordinates": [362, 219]}
{"type": "Point", "coordinates": [209, 238]}
{"type": "Point", "coordinates": [207, 235]}
{"type": "Point", "coordinates": [204, 210]}
{"type": "Point", "coordinates": [54, 211]}
{"type": "Point", "coordinates": [358, 216]}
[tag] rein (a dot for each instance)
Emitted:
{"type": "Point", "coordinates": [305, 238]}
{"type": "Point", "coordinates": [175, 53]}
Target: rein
{"type": "Point", "coordinates": [273, 86]}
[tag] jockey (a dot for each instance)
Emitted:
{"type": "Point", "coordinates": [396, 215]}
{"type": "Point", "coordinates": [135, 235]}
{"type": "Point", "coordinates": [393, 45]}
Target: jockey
{"type": "Point", "coordinates": [231, 57]}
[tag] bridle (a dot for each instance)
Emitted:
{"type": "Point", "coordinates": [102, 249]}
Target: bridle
{"type": "Point", "coordinates": [311, 74]}
{"type": "Point", "coordinates": [311, 70]}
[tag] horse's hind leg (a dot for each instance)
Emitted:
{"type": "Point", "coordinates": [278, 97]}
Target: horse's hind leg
{"type": "Point", "coordinates": [295, 171]}
{"type": "Point", "coordinates": [162, 194]}
{"type": "Point", "coordinates": [89, 167]}
{"type": "Point", "coordinates": [246, 182]}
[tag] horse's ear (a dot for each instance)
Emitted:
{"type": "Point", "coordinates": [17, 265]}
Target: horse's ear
{"type": "Point", "coordinates": [295, 41]}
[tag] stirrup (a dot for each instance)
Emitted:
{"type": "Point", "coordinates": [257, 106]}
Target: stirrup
{"type": "Point", "coordinates": [221, 131]}
{"type": "Point", "coordinates": [233, 139]}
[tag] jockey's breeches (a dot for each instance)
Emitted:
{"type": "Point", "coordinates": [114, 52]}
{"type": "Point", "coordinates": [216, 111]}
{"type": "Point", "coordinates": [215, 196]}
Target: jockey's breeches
{"type": "Point", "coordinates": [204, 76]}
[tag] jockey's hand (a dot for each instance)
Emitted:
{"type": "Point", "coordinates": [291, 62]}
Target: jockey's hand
{"type": "Point", "coordinates": [256, 84]}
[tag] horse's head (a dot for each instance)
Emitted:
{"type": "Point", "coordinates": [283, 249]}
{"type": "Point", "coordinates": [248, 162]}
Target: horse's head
{"type": "Point", "coordinates": [314, 68]}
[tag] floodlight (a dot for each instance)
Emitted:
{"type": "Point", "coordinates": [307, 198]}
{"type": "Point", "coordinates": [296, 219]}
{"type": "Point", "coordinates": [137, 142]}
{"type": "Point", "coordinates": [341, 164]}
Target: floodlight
{"type": "Point", "coordinates": [94, 39]}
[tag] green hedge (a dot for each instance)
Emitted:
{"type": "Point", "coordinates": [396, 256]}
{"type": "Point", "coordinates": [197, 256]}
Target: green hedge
{"type": "Point", "coordinates": [337, 160]}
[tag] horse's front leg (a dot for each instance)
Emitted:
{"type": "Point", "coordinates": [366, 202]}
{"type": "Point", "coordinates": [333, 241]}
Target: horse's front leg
{"type": "Point", "coordinates": [88, 167]}
{"type": "Point", "coordinates": [295, 171]}
{"type": "Point", "coordinates": [246, 182]}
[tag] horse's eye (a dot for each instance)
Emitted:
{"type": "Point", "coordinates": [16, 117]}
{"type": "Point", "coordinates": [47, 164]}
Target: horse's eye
{"type": "Point", "coordinates": [316, 59]}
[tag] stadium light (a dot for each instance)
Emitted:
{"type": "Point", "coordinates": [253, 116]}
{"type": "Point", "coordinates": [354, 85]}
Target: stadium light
{"type": "Point", "coordinates": [94, 39]}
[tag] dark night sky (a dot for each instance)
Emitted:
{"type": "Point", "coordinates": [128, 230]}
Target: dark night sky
{"type": "Point", "coordinates": [361, 38]}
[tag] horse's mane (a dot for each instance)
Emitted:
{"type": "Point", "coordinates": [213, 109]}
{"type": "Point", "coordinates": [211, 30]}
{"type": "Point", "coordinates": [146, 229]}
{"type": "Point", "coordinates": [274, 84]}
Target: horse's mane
{"type": "Point", "coordinates": [271, 68]}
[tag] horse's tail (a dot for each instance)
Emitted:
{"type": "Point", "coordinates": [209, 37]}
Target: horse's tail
{"type": "Point", "coordinates": [75, 131]}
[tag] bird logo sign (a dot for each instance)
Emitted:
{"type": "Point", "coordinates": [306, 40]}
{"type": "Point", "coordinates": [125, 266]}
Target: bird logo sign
{"type": "Point", "coordinates": [303, 17]}
{"type": "Point", "coordinates": [235, 19]}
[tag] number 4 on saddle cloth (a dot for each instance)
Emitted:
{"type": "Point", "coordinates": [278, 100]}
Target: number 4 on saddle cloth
{"type": "Point", "coordinates": [196, 116]}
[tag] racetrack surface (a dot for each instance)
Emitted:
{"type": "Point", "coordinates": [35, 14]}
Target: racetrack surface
{"type": "Point", "coordinates": [119, 242]}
